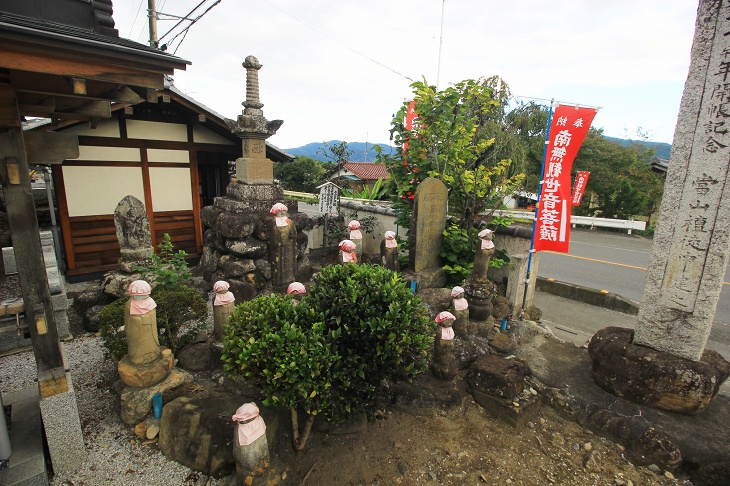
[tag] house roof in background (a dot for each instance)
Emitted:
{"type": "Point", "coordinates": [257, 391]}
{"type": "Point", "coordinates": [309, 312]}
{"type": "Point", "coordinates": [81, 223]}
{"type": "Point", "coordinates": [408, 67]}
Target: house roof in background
{"type": "Point", "coordinates": [367, 171]}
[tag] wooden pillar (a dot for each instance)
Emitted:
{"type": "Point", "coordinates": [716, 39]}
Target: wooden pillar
{"type": "Point", "coordinates": [23, 226]}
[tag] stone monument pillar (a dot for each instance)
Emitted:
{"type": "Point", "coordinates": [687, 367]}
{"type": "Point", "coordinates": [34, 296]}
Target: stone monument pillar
{"type": "Point", "coordinates": [483, 256]}
{"type": "Point", "coordinates": [356, 237]}
{"type": "Point", "coordinates": [666, 364]}
{"type": "Point", "coordinates": [223, 307]}
{"type": "Point", "coordinates": [428, 224]}
{"type": "Point", "coordinates": [389, 252]}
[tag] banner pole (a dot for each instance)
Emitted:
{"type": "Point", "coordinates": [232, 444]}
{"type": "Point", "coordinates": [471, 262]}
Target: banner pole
{"type": "Point", "coordinates": [537, 210]}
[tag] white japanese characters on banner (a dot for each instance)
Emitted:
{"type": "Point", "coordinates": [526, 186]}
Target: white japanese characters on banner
{"type": "Point", "coordinates": [569, 127]}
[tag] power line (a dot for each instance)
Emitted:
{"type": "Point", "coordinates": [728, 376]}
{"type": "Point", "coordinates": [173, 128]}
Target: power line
{"type": "Point", "coordinates": [340, 43]}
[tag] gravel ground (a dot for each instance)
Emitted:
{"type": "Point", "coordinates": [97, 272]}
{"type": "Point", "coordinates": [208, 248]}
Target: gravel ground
{"type": "Point", "coordinates": [115, 453]}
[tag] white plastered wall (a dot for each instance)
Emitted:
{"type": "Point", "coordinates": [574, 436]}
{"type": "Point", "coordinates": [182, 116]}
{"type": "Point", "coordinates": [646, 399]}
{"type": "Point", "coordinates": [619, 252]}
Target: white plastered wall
{"type": "Point", "coordinates": [171, 189]}
{"type": "Point", "coordinates": [147, 130]}
{"type": "Point", "coordinates": [92, 191]}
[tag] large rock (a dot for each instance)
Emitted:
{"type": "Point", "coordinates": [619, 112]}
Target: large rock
{"type": "Point", "coordinates": [649, 377]}
{"type": "Point", "coordinates": [141, 376]}
{"type": "Point", "coordinates": [91, 318]}
{"type": "Point", "coordinates": [198, 432]}
{"type": "Point", "coordinates": [117, 283]}
{"type": "Point", "coordinates": [497, 376]}
{"type": "Point", "coordinates": [429, 278]}
{"type": "Point", "coordinates": [242, 291]}
{"type": "Point", "coordinates": [195, 357]}
{"type": "Point", "coordinates": [89, 298]}
{"type": "Point", "coordinates": [247, 248]}
{"type": "Point", "coordinates": [136, 403]}
{"type": "Point", "coordinates": [232, 225]}
{"type": "Point", "coordinates": [437, 299]}
{"type": "Point", "coordinates": [238, 268]}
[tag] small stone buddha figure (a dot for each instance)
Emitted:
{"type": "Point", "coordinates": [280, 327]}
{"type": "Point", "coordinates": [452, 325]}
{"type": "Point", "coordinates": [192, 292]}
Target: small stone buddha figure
{"type": "Point", "coordinates": [444, 358]}
{"type": "Point", "coordinates": [461, 312]}
{"type": "Point", "coordinates": [347, 252]}
{"type": "Point", "coordinates": [250, 446]}
{"type": "Point", "coordinates": [297, 291]}
{"type": "Point", "coordinates": [140, 324]}
{"type": "Point", "coordinates": [389, 251]}
{"type": "Point", "coordinates": [282, 248]}
{"type": "Point", "coordinates": [483, 256]}
{"type": "Point", "coordinates": [356, 237]}
{"type": "Point", "coordinates": [223, 306]}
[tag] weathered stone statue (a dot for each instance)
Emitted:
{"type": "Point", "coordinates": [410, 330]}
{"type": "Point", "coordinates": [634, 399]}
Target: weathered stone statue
{"type": "Point", "coordinates": [250, 447]}
{"type": "Point", "coordinates": [282, 248]}
{"type": "Point", "coordinates": [389, 252]}
{"type": "Point", "coordinates": [444, 364]}
{"type": "Point", "coordinates": [461, 312]}
{"type": "Point", "coordinates": [146, 362]}
{"type": "Point", "coordinates": [223, 306]}
{"type": "Point", "coordinates": [297, 291]}
{"type": "Point", "coordinates": [356, 237]}
{"type": "Point", "coordinates": [483, 255]}
{"type": "Point", "coordinates": [347, 252]}
{"type": "Point", "coordinates": [133, 229]}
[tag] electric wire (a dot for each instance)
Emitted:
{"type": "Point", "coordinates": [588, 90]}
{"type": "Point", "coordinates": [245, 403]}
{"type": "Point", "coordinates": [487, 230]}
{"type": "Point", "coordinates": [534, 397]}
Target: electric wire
{"type": "Point", "coordinates": [340, 43]}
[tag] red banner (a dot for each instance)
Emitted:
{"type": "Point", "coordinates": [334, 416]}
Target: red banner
{"type": "Point", "coordinates": [411, 117]}
{"type": "Point", "coordinates": [568, 128]}
{"type": "Point", "coordinates": [581, 180]}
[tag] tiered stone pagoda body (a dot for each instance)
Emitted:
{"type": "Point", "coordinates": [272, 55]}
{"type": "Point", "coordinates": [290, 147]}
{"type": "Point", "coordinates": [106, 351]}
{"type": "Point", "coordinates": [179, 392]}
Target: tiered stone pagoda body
{"type": "Point", "coordinates": [239, 225]}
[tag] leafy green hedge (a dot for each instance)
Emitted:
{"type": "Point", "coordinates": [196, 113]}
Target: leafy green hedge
{"type": "Point", "coordinates": [357, 327]}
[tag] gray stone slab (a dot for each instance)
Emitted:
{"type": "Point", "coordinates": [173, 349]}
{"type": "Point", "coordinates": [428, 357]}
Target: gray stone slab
{"type": "Point", "coordinates": [692, 237]}
{"type": "Point", "coordinates": [55, 282]}
{"type": "Point", "coordinates": [428, 223]}
{"type": "Point", "coordinates": [9, 258]}
{"type": "Point", "coordinates": [63, 430]}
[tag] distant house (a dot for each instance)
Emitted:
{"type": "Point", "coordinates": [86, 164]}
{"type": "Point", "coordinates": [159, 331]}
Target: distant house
{"type": "Point", "coordinates": [172, 154]}
{"type": "Point", "coordinates": [358, 175]}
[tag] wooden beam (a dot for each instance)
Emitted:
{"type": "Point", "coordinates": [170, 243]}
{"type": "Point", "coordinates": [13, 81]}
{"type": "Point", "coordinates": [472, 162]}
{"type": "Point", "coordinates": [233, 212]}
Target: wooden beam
{"type": "Point", "coordinates": [78, 85]}
{"type": "Point", "coordinates": [50, 147]}
{"type": "Point", "coordinates": [67, 107]}
{"type": "Point", "coordinates": [51, 63]}
{"type": "Point", "coordinates": [149, 95]}
{"type": "Point", "coordinates": [8, 109]}
{"type": "Point", "coordinates": [49, 84]}
{"type": "Point", "coordinates": [60, 187]}
{"type": "Point", "coordinates": [27, 245]}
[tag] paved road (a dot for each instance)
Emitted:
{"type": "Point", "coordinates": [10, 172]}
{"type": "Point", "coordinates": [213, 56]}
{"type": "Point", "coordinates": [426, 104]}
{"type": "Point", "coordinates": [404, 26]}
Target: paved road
{"type": "Point", "coordinates": [617, 263]}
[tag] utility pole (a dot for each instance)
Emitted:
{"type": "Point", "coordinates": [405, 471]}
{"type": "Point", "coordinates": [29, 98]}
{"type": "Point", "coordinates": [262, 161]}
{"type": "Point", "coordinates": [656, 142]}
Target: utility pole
{"type": "Point", "coordinates": [152, 15]}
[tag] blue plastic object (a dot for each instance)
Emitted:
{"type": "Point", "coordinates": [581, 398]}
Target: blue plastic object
{"type": "Point", "coordinates": [157, 405]}
{"type": "Point", "coordinates": [504, 325]}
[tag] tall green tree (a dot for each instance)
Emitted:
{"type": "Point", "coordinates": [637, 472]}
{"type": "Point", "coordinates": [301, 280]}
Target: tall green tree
{"type": "Point", "coordinates": [454, 141]}
{"type": "Point", "coordinates": [303, 174]}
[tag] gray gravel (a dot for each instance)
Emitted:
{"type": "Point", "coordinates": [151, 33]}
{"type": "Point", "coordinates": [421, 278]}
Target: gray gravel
{"type": "Point", "coordinates": [115, 455]}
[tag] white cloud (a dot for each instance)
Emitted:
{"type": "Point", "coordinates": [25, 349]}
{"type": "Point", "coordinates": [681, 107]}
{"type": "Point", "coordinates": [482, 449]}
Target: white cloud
{"type": "Point", "coordinates": [335, 70]}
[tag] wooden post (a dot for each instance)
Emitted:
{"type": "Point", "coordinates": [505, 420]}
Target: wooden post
{"type": "Point", "coordinates": [23, 226]}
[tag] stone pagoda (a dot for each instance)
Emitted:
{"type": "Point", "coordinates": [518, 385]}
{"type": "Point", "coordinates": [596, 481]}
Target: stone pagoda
{"type": "Point", "coordinates": [239, 226]}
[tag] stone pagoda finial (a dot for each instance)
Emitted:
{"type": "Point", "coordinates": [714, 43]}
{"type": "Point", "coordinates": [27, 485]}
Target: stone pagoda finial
{"type": "Point", "coordinates": [252, 123]}
{"type": "Point", "coordinates": [252, 66]}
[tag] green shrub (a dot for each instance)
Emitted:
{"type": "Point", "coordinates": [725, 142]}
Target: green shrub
{"type": "Point", "coordinates": [383, 332]}
{"type": "Point", "coordinates": [358, 327]}
{"type": "Point", "coordinates": [167, 269]}
{"type": "Point", "coordinates": [458, 254]}
{"type": "Point", "coordinates": [181, 314]}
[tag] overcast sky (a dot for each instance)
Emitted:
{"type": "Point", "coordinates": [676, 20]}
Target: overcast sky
{"type": "Point", "coordinates": [338, 70]}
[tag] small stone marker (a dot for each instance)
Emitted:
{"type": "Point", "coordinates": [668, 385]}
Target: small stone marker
{"type": "Point", "coordinates": [389, 252]}
{"type": "Point", "coordinates": [223, 306]}
{"type": "Point", "coordinates": [250, 446]}
{"type": "Point", "coordinates": [356, 237]}
{"type": "Point", "coordinates": [461, 312]}
{"type": "Point", "coordinates": [428, 224]}
{"type": "Point", "coordinates": [282, 248]}
{"type": "Point", "coordinates": [444, 364]}
{"type": "Point", "coordinates": [692, 238]}
{"type": "Point", "coordinates": [483, 256]}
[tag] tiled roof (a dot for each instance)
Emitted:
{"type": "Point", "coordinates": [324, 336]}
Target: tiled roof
{"type": "Point", "coordinates": [367, 171]}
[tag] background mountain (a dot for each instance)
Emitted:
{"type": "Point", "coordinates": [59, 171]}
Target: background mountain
{"type": "Point", "coordinates": [358, 148]}
{"type": "Point", "coordinates": [360, 154]}
{"type": "Point", "coordinates": [662, 149]}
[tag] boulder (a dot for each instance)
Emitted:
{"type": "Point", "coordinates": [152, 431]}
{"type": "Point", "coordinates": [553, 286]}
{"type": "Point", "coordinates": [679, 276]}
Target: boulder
{"type": "Point", "coordinates": [233, 225]}
{"type": "Point", "coordinates": [304, 269]}
{"type": "Point", "coordinates": [242, 291]}
{"type": "Point", "coordinates": [146, 375]}
{"type": "Point", "coordinates": [501, 308]}
{"type": "Point", "coordinates": [89, 298]}
{"type": "Point", "coordinates": [238, 268]}
{"type": "Point", "coordinates": [469, 350]}
{"type": "Point", "coordinates": [497, 376]}
{"type": "Point", "coordinates": [502, 343]}
{"type": "Point", "coordinates": [195, 357]}
{"type": "Point", "coordinates": [437, 299]}
{"type": "Point", "coordinates": [247, 248]}
{"type": "Point", "coordinates": [209, 215]}
{"type": "Point", "coordinates": [199, 432]}
{"type": "Point", "coordinates": [654, 378]}
{"type": "Point", "coordinates": [136, 403]}
{"type": "Point", "coordinates": [91, 318]}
